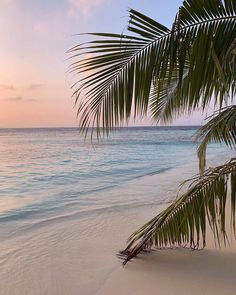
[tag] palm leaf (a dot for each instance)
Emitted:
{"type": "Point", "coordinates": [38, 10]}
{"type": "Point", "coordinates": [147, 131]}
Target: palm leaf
{"type": "Point", "coordinates": [220, 128]}
{"type": "Point", "coordinates": [184, 222]}
{"type": "Point", "coordinates": [130, 74]}
{"type": "Point", "coordinates": [110, 88]}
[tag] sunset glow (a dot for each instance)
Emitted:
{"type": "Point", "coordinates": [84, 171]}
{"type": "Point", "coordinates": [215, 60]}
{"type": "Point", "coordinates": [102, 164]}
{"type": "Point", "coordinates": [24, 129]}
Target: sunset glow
{"type": "Point", "coordinates": [35, 35]}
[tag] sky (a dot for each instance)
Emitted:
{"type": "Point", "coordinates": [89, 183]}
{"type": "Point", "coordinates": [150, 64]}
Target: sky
{"type": "Point", "coordinates": [35, 35]}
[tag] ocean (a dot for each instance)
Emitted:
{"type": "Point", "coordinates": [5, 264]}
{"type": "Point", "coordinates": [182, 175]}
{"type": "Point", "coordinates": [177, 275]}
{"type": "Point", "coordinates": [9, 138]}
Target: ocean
{"type": "Point", "coordinates": [61, 197]}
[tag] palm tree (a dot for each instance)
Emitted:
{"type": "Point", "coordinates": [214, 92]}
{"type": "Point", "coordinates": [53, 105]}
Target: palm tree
{"type": "Point", "coordinates": [168, 72]}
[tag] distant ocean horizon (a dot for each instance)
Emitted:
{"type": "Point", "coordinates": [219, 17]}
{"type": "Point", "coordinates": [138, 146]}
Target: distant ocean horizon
{"type": "Point", "coordinates": [116, 128]}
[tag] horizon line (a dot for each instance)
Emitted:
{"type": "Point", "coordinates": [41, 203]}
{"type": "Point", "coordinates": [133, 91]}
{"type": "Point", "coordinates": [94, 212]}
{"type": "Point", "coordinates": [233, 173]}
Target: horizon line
{"type": "Point", "coordinates": [115, 128]}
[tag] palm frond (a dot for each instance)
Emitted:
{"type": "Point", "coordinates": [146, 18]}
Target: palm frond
{"type": "Point", "coordinates": [166, 100]}
{"type": "Point", "coordinates": [170, 71]}
{"type": "Point", "coordinates": [203, 67]}
{"type": "Point", "coordinates": [119, 71]}
{"type": "Point", "coordinates": [220, 128]}
{"type": "Point", "coordinates": [184, 222]}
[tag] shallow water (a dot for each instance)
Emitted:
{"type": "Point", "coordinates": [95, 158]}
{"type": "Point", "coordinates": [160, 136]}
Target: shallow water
{"type": "Point", "coordinates": [64, 202]}
{"type": "Point", "coordinates": [47, 172]}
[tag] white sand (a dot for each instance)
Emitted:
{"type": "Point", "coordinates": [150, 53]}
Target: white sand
{"type": "Point", "coordinates": [181, 271]}
{"type": "Point", "coordinates": [176, 272]}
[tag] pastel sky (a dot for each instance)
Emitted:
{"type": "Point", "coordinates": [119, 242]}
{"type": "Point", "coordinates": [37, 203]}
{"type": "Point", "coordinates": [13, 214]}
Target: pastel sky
{"type": "Point", "coordinates": [35, 34]}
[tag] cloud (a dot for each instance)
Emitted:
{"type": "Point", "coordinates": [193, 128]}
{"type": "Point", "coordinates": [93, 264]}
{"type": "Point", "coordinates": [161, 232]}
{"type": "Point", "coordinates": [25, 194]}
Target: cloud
{"type": "Point", "coordinates": [31, 99]}
{"type": "Point", "coordinates": [7, 87]}
{"type": "Point", "coordinates": [36, 86]}
{"type": "Point", "coordinates": [19, 99]}
{"type": "Point", "coordinates": [42, 28]}
{"type": "Point", "coordinates": [8, 2]}
{"type": "Point", "coordinates": [86, 7]}
{"type": "Point", "coordinates": [13, 99]}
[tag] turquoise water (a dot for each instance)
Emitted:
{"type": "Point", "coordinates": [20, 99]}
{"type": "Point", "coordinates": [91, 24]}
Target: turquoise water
{"type": "Point", "coordinates": [67, 207]}
{"type": "Point", "coordinates": [50, 172]}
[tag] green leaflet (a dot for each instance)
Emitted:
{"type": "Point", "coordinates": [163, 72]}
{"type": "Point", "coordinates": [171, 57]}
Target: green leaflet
{"type": "Point", "coordinates": [220, 128]}
{"type": "Point", "coordinates": [184, 222]}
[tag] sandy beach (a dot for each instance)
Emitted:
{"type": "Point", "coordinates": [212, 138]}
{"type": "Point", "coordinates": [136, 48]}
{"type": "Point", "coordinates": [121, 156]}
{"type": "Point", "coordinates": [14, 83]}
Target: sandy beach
{"type": "Point", "coordinates": [178, 271]}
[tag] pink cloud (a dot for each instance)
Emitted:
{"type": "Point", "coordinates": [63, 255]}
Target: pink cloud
{"type": "Point", "coordinates": [13, 99]}
{"type": "Point", "coordinates": [36, 86]}
{"type": "Point", "coordinates": [41, 28]}
{"type": "Point", "coordinates": [8, 2]}
{"type": "Point", "coordinates": [7, 87]}
{"type": "Point", "coordinates": [19, 99]}
{"type": "Point", "coordinates": [84, 6]}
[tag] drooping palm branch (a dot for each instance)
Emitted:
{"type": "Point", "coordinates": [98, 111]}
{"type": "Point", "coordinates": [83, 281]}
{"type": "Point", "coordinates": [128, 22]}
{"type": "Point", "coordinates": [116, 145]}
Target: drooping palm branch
{"type": "Point", "coordinates": [220, 128]}
{"type": "Point", "coordinates": [166, 71]}
{"type": "Point", "coordinates": [184, 222]}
